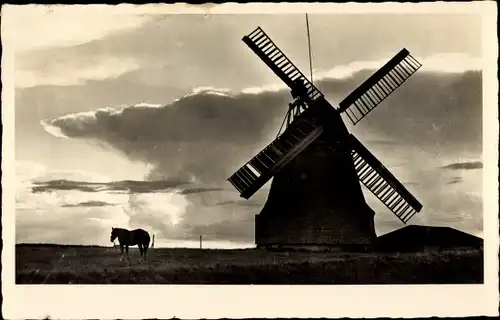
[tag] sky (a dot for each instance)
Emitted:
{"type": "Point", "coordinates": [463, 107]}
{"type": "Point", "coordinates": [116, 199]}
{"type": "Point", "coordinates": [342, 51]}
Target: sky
{"type": "Point", "coordinates": [137, 120]}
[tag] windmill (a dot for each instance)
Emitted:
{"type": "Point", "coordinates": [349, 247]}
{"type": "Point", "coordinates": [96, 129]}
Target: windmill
{"type": "Point", "coordinates": [315, 199]}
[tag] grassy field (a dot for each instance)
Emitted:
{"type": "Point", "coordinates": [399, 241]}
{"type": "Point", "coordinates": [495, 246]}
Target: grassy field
{"type": "Point", "coordinates": [101, 265]}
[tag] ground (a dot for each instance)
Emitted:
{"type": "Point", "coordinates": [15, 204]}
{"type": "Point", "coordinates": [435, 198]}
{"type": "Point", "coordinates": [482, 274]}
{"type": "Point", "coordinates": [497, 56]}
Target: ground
{"type": "Point", "coordinates": [36, 264]}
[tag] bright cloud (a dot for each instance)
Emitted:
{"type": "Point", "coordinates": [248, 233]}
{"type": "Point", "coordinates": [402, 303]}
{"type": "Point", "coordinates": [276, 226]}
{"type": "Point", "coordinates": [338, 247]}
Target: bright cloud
{"type": "Point", "coordinates": [47, 26]}
{"type": "Point", "coordinates": [66, 74]}
{"type": "Point", "coordinates": [82, 212]}
{"type": "Point", "coordinates": [158, 207]}
{"type": "Point", "coordinates": [31, 28]}
{"type": "Point", "coordinates": [443, 62]}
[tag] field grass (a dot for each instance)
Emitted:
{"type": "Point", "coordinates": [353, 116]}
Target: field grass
{"type": "Point", "coordinates": [37, 264]}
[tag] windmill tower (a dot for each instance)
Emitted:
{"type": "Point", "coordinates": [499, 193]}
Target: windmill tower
{"type": "Point", "coordinates": [315, 198]}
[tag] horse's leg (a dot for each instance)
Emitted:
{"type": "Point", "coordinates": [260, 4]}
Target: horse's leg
{"type": "Point", "coordinates": [121, 250]}
{"type": "Point", "coordinates": [146, 251]}
{"type": "Point", "coordinates": [140, 249]}
{"type": "Point", "coordinates": [126, 250]}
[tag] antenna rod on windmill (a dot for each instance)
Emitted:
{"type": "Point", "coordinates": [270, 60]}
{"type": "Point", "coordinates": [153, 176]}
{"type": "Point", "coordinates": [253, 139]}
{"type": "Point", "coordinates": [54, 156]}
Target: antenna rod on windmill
{"type": "Point", "coordinates": [291, 111]}
{"type": "Point", "coordinates": [309, 44]}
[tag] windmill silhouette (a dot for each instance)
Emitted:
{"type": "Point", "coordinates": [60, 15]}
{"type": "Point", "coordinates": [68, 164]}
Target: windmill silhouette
{"type": "Point", "coordinates": [315, 199]}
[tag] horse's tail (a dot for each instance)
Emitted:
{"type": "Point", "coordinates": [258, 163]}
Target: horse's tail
{"type": "Point", "coordinates": [148, 239]}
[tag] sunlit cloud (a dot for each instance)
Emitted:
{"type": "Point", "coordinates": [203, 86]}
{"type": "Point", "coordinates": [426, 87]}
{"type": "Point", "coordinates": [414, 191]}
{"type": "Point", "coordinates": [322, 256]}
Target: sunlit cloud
{"type": "Point", "coordinates": [48, 26]}
{"type": "Point", "coordinates": [53, 130]}
{"type": "Point", "coordinates": [69, 74]}
{"type": "Point", "coordinates": [443, 63]}
{"type": "Point", "coordinates": [440, 63]}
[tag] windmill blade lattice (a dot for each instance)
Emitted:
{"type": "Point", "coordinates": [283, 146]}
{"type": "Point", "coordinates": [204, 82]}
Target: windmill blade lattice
{"type": "Point", "coordinates": [379, 86]}
{"type": "Point", "coordinates": [275, 59]}
{"type": "Point", "coordinates": [382, 183]}
{"type": "Point", "coordinates": [260, 169]}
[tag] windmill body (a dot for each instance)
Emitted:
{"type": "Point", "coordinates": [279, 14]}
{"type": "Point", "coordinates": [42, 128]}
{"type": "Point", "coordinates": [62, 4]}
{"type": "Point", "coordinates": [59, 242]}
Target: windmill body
{"type": "Point", "coordinates": [316, 198]}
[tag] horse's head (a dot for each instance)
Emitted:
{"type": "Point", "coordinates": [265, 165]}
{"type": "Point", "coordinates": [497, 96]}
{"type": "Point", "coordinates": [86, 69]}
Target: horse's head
{"type": "Point", "coordinates": [114, 234]}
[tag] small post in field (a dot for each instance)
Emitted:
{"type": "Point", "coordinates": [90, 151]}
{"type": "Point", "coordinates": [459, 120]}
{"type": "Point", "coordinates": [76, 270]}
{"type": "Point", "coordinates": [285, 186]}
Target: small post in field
{"type": "Point", "coordinates": [201, 242]}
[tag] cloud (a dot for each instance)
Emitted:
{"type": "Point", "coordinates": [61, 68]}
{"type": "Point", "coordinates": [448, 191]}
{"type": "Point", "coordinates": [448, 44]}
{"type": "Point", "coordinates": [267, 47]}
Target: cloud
{"type": "Point", "coordinates": [72, 204]}
{"type": "Point", "coordinates": [438, 63]}
{"type": "Point", "coordinates": [442, 63]}
{"type": "Point", "coordinates": [199, 190]}
{"type": "Point", "coordinates": [30, 187]}
{"type": "Point", "coordinates": [46, 35]}
{"type": "Point", "coordinates": [76, 72]}
{"type": "Point", "coordinates": [464, 165]}
{"type": "Point", "coordinates": [200, 136]}
{"type": "Point", "coordinates": [447, 200]}
{"type": "Point", "coordinates": [243, 203]}
{"type": "Point", "coordinates": [161, 212]}
{"type": "Point", "coordinates": [89, 204]}
{"type": "Point", "coordinates": [455, 180]}
{"type": "Point", "coordinates": [127, 186]}
{"type": "Point", "coordinates": [49, 26]}
{"type": "Point", "coordinates": [29, 171]}
{"type": "Point", "coordinates": [176, 55]}
{"type": "Point", "coordinates": [409, 183]}
{"type": "Point", "coordinates": [48, 211]}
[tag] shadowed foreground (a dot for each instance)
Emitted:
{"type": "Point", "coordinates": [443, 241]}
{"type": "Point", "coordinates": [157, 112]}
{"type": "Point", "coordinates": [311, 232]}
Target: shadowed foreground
{"type": "Point", "coordinates": [36, 264]}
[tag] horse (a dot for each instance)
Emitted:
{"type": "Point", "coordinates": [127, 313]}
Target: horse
{"type": "Point", "coordinates": [128, 238]}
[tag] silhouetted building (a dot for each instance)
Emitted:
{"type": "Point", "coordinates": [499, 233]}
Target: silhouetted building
{"type": "Point", "coordinates": [426, 238]}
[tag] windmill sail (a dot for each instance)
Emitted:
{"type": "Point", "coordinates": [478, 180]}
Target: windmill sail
{"type": "Point", "coordinates": [382, 183]}
{"type": "Point", "coordinates": [256, 172]}
{"type": "Point", "coordinates": [379, 86]}
{"type": "Point", "coordinates": [275, 59]}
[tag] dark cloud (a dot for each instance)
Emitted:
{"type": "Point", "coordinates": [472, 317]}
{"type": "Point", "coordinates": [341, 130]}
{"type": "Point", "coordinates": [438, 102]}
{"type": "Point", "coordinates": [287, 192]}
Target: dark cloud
{"type": "Point", "coordinates": [199, 190]}
{"type": "Point", "coordinates": [437, 111]}
{"type": "Point", "coordinates": [147, 186]}
{"type": "Point", "coordinates": [71, 186]}
{"type": "Point", "coordinates": [206, 136]}
{"type": "Point", "coordinates": [128, 186]}
{"type": "Point", "coordinates": [89, 204]}
{"type": "Point", "coordinates": [243, 203]}
{"type": "Point", "coordinates": [464, 165]}
{"type": "Point", "coordinates": [455, 180]}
